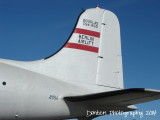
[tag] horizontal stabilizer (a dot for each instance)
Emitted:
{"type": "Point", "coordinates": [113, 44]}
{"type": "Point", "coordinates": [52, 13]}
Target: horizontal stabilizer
{"type": "Point", "coordinates": [118, 97]}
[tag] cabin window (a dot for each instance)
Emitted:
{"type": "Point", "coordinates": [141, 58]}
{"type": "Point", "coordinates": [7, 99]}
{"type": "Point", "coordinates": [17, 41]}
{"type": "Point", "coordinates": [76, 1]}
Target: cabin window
{"type": "Point", "coordinates": [3, 83]}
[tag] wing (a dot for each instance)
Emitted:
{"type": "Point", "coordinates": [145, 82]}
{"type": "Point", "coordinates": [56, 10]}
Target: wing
{"type": "Point", "coordinates": [118, 97]}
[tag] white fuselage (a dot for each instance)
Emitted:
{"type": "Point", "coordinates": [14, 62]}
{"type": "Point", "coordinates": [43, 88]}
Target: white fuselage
{"type": "Point", "coordinates": [29, 95]}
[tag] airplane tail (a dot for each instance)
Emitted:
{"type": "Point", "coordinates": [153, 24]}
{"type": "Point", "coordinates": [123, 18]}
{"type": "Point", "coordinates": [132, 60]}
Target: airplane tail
{"type": "Point", "coordinates": [92, 55]}
{"type": "Point", "coordinates": [93, 52]}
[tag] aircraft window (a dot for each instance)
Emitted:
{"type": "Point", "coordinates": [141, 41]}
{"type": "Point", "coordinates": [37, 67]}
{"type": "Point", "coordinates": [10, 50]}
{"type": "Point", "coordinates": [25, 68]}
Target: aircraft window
{"type": "Point", "coordinates": [3, 83]}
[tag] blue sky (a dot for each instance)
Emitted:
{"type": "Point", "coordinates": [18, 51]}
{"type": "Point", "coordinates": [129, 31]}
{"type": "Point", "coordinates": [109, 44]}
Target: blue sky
{"type": "Point", "coordinates": [34, 29]}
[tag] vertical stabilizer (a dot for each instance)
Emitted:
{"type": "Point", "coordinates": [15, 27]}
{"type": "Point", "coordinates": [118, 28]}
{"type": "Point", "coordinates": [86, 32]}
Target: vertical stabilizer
{"type": "Point", "coordinates": [92, 55]}
{"type": "Point", "coordinates": [78, 59]}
